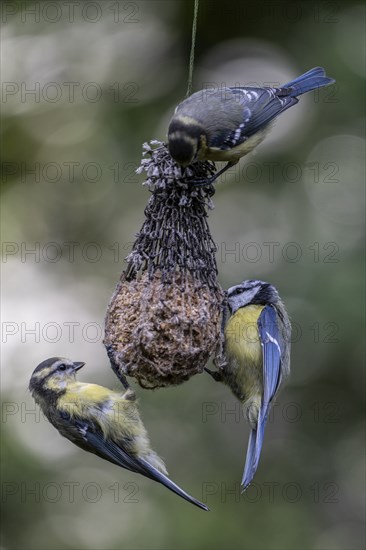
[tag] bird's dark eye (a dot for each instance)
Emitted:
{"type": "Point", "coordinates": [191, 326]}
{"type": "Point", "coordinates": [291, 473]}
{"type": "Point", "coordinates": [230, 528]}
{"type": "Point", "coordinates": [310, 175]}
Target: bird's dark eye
{"type": "Point", "coordinates": [62, 367]}
{"type": "Point", "coordinates": [237, 291]}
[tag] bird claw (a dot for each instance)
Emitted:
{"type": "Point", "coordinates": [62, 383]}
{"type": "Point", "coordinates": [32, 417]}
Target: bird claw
{"type": "Point", "coordinates": [130, 395]}
{"type": "Point", "coordinates": [221, 361]}
{"type": "Point", "coordinates": [215, 375]}
{"type": "Point", "coordinates": [199, 182]}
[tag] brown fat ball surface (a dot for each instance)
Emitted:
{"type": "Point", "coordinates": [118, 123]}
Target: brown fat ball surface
{"type": "Point", "coordinates": [162, 334]}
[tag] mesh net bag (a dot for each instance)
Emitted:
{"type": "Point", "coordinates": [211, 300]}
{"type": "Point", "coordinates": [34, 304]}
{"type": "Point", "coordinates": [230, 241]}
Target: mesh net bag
{"type": "Point", "coordinates": [164, 319]}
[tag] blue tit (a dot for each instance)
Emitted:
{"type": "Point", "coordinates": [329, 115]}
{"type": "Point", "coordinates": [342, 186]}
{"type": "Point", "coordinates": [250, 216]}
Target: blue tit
{"type": "Point", "coordinates": [226, 124]}
{"type": "Point", "coordinates": [99, 420]}
{"type": "Point", "coordinates": [257, 357]}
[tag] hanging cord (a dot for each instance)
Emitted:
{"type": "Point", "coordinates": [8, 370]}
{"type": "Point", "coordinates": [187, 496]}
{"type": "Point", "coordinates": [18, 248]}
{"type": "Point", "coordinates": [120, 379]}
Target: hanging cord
{"type": "Point", "coordinates": [191, 58]}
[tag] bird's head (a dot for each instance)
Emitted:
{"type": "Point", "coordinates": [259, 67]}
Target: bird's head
{"type": "Point", "coordinates": [251, 292]}
{"type": "Point", "coordinates": [185, 139]}
{"type": "Point", "coordinates": [53, 375]}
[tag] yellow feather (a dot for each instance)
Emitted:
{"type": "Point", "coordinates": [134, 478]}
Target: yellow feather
{"type": "Point", "coordinates": [235, 153]}
{"type": "Point", "coordinates": [81, 393]}
{"type": "Point", "coordinates": [42, 373]}
{"type": "Point", "coordinates": [244, 371]}
{"type": "Point", "coordinates": [116, 415]}
{"type": "Point", "coordinates": [241, 333]}
{"type": "Point", "coordinates": [186, 120]}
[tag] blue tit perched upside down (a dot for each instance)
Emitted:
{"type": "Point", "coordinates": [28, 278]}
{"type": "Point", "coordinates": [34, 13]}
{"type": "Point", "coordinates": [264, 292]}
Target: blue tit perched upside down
{"type": "Point", "coordinates": [257, 350]}
{"type": "Point", "coordinates": [99, 420]}
{"type": "Point", "coordinates": [226, 124]}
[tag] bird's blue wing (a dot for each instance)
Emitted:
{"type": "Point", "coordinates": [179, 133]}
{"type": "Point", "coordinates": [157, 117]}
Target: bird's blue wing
{"type": "Point", "coordinates": [259, 107]}
{"type": "Point", "coordinates": [270, 338]}
{"type": "Point", "coordinates": [109, 450]}
{"type": "Point", "coordinates": [262, 105]}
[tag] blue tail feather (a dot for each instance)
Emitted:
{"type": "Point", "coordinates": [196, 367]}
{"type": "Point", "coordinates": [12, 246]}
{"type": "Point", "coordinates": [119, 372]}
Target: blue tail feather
{"type": "Point", "coordinates": [249, 470]}
{"type": "Point", "coordinates": [311, 80]}
{"type": "Point", "coordinates": [169, 484]}
{"type": "Point", "coordinates": [254, 450]}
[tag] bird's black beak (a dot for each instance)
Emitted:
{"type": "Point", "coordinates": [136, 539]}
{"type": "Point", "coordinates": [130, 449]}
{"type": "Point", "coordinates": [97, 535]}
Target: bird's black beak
{"type": "Point", "coordinates": [78, 365]}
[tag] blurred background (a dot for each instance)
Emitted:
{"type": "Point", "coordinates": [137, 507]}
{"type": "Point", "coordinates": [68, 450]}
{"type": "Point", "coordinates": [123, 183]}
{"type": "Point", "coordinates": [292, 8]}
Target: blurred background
{"type": "Point", "coordinates": [84, 85]}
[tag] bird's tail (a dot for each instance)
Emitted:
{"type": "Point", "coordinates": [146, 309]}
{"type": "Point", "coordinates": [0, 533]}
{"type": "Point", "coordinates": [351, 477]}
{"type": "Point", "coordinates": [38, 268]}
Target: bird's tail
{"type": "Point", "coordinates": [315, 78]}
{"type": "Point", "coordinates": [109, 450]}
{"type": "Point", "coordinates": [169, 484]}
{"type": "Point", "coordinates": [254, 449]}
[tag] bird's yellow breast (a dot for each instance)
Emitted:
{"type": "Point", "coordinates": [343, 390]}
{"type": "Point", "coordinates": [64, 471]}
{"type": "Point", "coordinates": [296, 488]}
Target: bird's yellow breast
{"type": "Point", "coordinates": [84, 394]}
{"type": "Point", "coordinates": [242, 336]}
{"type": "Point", "coordinates": [233, 154]}
{"type": "Point", "coordinates": [244, 370]}
{"type": "Point", "coordinates": [115, 414]}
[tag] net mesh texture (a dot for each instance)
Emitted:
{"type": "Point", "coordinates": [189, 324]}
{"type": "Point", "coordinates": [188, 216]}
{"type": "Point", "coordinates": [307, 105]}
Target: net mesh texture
{"type": "Point", "coordinates": [164, 319]}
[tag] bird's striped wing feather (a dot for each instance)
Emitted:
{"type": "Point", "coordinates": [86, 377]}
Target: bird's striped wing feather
{"type": "Point", "coordinates": [260, 107]}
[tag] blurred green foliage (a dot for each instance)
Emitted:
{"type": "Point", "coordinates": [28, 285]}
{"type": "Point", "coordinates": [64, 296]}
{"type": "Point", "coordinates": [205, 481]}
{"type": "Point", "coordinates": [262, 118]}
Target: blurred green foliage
{"type": "Point", "coordinates": [84, 84]}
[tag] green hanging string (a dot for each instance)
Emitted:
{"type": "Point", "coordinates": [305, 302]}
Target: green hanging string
{"type": "Point", "coordinates": [191, 58]}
